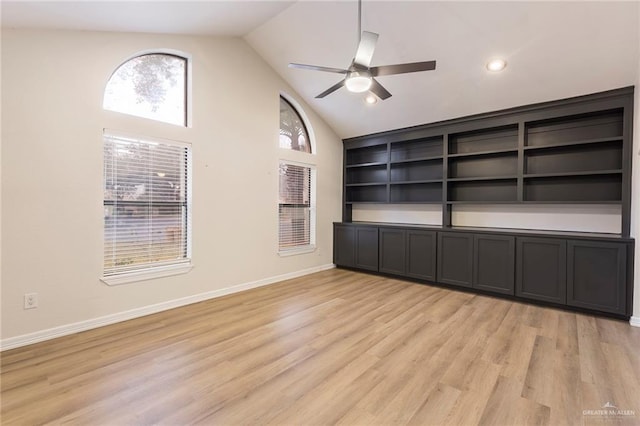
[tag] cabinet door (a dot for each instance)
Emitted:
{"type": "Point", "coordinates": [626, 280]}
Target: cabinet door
{"type": "Point", "coordinates": [392, 251]}
{"type": "Point", "coordinates": [367, 248]}
{"type": "Point", "coordinates": [541, 269]}
{"type": "Point", "coordinates": [494, 263]}
{"type": "Point", "coordinates": [455, 258]}
{"type": "Point", "coordinates": [344, 245]}
{"type": "Point", "coordinates": [421, 254]}
{"type": "Point", "coordinates": [596, 275]}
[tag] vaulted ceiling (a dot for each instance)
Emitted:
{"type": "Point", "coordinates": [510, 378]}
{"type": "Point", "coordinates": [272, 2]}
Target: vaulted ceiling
{"type": "Point", "coordinates": [553, 49]}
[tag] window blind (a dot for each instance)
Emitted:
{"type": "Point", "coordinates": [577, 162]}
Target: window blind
{"type": "Point", "coordinates": [146, 203]}
{"type": "Point", "coordinates": [296, 206]}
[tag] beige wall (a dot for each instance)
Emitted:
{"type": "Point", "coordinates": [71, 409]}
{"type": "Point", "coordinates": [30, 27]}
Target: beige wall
{"type": "Point", "coordinates": [53, 84]}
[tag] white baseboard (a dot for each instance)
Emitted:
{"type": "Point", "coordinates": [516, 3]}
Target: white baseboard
{"type": "Point", "coordinates": [635, 321]}
{"type": "Point", "coordinates": [64, 330]}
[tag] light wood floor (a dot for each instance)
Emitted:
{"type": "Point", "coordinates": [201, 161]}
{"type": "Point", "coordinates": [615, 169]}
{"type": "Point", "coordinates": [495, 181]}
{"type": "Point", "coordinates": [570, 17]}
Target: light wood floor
{"type": "Point", "coordinates": [336, 347]}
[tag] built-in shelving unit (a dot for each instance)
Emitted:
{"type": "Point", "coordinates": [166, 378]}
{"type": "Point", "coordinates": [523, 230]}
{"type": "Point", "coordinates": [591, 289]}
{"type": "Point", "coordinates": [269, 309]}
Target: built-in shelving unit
{"type": "Point", "coordinates": [573, 151]}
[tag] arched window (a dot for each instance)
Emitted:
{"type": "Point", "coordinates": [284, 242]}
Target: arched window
{"type": "Point", "coordinates": [151, 86]}
{"type": "Point", "coordinates": [297, 186]}
{"type": "Point", "coordinates": [293, 132]}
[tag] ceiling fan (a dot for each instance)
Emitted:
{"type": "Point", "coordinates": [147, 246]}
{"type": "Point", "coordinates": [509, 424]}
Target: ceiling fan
{"type": "Point", "coordinates": [360, 76]}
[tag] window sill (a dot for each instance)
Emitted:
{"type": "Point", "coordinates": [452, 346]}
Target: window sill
{"type": "Point", "coordinates": [296, 251]}
{"type": "Point", "coordinates": [158, 272]}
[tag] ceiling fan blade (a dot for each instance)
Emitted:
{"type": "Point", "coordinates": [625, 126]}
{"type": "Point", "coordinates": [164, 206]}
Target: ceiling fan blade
{"type": "Point", "coordinates": [365, 49]}
{"type": "Point", "coordinates": [331, 89]}
{"type": "Point", "coordinates": [378, 90]}
{"type": "Point", "coordinates": [318, 68]}
{"type": "Point", "coordinates": [403, 68]}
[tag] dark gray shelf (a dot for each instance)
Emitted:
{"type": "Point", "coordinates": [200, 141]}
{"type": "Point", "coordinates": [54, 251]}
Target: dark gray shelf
{"type": "Point", "coordinates": [371, 193]}
{"type": "Point", "coordinates": [438, 202]}
{"type": "Point", "coordinates": [483, 153]}
{"type": "Point", "coordinates": [506, 163]}
{"type": "Point", "coordinates": [377, 163]}
{"type": "Point", "coordinates": [482, 178]}
{"type": "Point", "coordinates": [367, 202]}
{"type": "Point", "coordinates": [576, 143]}
{"type": "Point", "coordinates": [430, 192]}
{"type": "Point", "coordinates": [484, 202]}
{"type": "Point", "coordinates": [369, 155]}
{"type": "Point", "coordinates": [484, 140]}
{"type": "Point", "coordinates": [420, 148]}
{"type": "Point", "coordinates": [571, 151]}
{"type": "Point", "coordinates": [366, 184]}
{"type": "Point", "coordinates": [488, 191]}
{"type": "Point", "coordinates": [588, 173]}
{"type": "Point", "coordinates": [612, 202]}
{"type": "Point", "coordinates": [491, 230]}
{"type": "Point", "coordinates": [417, 159]}
{"type": "Point", "coordinates": [407, 182]}
{"type": "Point", "coordinates": [595, 188]}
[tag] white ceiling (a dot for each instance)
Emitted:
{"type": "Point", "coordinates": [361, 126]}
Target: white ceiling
{"type": "Point", "coordinates": [224, 18]}
{"type": "Point", "coordinates": [553, 49]}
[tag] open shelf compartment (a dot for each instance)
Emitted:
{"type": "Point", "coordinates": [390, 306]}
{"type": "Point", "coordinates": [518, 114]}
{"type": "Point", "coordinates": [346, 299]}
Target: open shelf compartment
{"type": "Point", "coordinates": [416, 149]}
{"type": "Point", "coordinates": [366, 194]}
{"type": "Point", "coordinates": [605, 188]}
{"type": "Point", "coordinates": [576, 128]}
{"type": "Point", "coordinates": [502, 190]}
{"type": "Point", "coordinates": [415, 171]}
{"type": "Point", "coordinates": [478, 141]}
{"type": "Point", "coordinates": [367, 155]}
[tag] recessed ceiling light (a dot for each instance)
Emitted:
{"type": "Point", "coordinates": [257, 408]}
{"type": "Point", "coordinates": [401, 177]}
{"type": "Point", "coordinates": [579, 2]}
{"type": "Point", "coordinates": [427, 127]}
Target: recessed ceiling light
{"type": "Point", "coordinates": [496, 65]}
{"type": "Point", "coordinates": [371, 99]}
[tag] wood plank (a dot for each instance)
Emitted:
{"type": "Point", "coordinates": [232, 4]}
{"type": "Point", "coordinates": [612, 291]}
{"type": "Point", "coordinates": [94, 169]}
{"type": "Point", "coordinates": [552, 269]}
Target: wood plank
{"type": "Point", "coordinates": [336, 347]}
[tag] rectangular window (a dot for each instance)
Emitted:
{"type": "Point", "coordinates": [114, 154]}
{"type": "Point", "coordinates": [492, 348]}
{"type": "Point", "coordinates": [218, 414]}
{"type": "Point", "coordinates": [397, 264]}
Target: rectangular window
{"type": "Point", "coordinates": [296, 207]}
{"type": "Point", "coordinates": [147, 205]}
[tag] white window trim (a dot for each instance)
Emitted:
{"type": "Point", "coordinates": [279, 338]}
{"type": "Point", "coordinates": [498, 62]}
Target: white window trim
{"type": "Point", "coordinates": [297, 251]}
{"type": "Point", "coordinates": [157, 271]}
{"type": "Point", "coordinates": [311, 247]}
{"type": "Point", "coordinates": [188, 89]}
{"type": "Point", "coordinates": [150, 274]}
{"type": "Point", "coordinates": [307, 124]}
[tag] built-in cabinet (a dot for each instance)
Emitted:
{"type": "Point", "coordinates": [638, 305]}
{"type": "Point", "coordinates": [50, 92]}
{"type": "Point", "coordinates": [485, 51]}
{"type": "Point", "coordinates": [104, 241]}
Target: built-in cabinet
{"type": "Point", "coordinates": [344, 245]}
{"type": "Point", "coordinates": [588, 272]}
{"type": "Point", "coordinates": [392, 251]}
{"type": "Point", "coordinates": [356, 247]}
{"type": "Point", "coordinates": [571, 151]}
{"type": "Point", "coordinates": [597, 275]}
{"type": "Point", "coordinates": [408, 252]}
{"type": "Point", "coordinates": [455, 258]}
{"type": "Point", "coordinates": [421, 254]}
{"type": "Point", "coordinates": [494, 263]}
{"type": "Point", "coordinates": [542, 269]}
{"type": "Point", "coordinates": [367, 248]}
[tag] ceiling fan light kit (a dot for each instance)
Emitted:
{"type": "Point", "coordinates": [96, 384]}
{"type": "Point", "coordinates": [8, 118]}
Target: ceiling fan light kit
{"type": "Point", "coordinates": [360, 76]}
{"type": "Point", "coordinates": [496, 65]}
{"type": "Point", "coordinates": [358, 82]}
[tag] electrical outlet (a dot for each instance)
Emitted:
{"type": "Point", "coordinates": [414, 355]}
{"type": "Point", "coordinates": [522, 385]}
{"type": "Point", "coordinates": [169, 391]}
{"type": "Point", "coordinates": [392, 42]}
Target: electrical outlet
{"type": "Point", "coordinates": [31, 300]}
